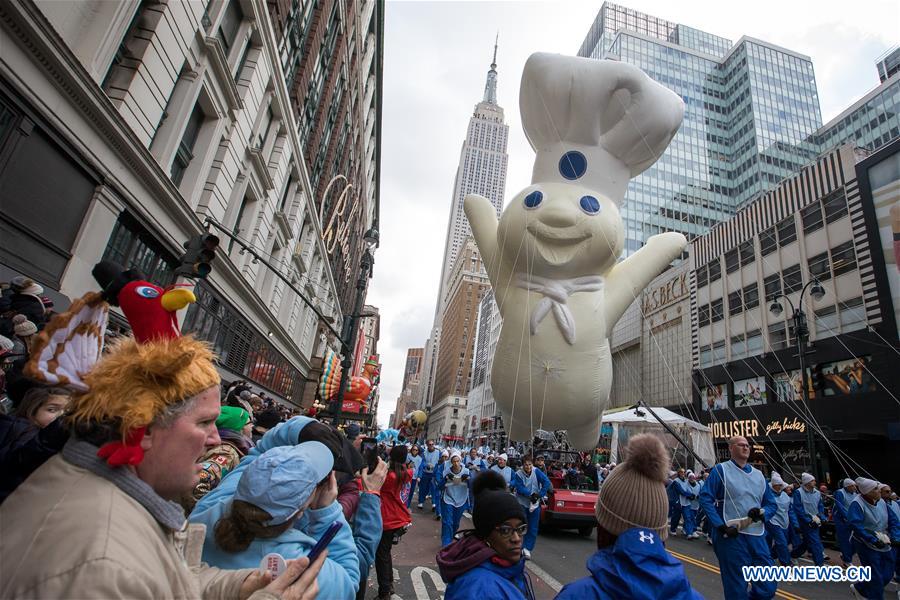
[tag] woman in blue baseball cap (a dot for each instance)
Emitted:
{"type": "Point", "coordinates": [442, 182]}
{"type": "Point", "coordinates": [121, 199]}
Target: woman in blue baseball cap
{"type": "Point", "coordinates": [283, 503]}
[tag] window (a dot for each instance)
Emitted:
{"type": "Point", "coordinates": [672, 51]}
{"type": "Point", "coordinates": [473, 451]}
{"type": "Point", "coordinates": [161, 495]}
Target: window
{"type": "Point", "coordinates": [703, 316]}
{"type": "Point", "coordinates": [732, 262]}
{"type": "Point", "coordinates": [852, 315]}
{"type": "Point", "coordinates": [819, 267]}
{"type": "Point", "coordinates": [843, 258]}
{"type": "Point", "coordinates": [835, 206]}
{"type": "Point", "coordinates": [183, 155]}
{"type": "Point", "coordinates": [718, 352]}
{"type": "Point", "coordinates": [768, 241]}
{"type": "Point", "coordinates": [772, 285]}
{"type": "Point", "coordinates": [125, 51]}
{"type": "Point", "coordinates": [702, 276]}
{"type": "Point", "coordinates": [751, 296]}
{"type": "Point", "coordinates": [793, 280]}
{"type": "Point", "coordinates": [746, 253]}
{"type": "Point", "coordinates": [735, 305]}
{"type": "Point", "coordinates": [715, 309]}
{"type": "Point", "coordinates": [754, 342]}
{"type": "Point", "coordinates": [812, 217]}
{"type": "Point", "coordinates": [738, 347]}
{"type": "Point", "coordinates": [231, 23]}
{"type": "Point", "coordinates": [787, 232]}
{"type": "Point", "coordinates": [134, 247]}
{"type": "Point", "coordinates": [715, 271]}
{"type": "Point", "coordinates": [826, 320]}
{"type": "Point", "coordinates": [705, 356]}
{"type": "Point", "coordinates": [777, 336]}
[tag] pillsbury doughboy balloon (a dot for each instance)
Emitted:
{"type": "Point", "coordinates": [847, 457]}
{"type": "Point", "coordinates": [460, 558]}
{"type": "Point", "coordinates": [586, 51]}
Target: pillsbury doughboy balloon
{"type": "Point", "coordinates": [552, 257]}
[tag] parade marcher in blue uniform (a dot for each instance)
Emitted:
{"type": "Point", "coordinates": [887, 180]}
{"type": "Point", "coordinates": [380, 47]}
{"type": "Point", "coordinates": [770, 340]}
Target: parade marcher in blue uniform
{"type": "Point", "coordinates": [414, 460]}
{"type": "Point", "coordinates": [890, 498]}
{"type": "Point", "coordinates": [631, 559]}
{"type": "Point", "coordinates": [689, 492]}
{"type": "Point", "coordinates": [874, 529]}
{"type": "Point", "coordinates": [842, 499]}
{"type": "Point", "coordinates": [807, 505]}
{"type": "Point", "coordinates": [737, 501]}
{"type": "Point", "coordinates": [425, 474]}
{"type": "Point", "coordinates": [502, 468]}
{"type": "Point", "coordinates": [436, 489]}
{"type": "Point", "coordinates": [530, 485]}
{"type": "Point", "coordinates": [778, 526]}
{"type": "Point", "coordinates": [794, 530]}
{"type": "Point", "coordinates": [454, 486]}
{"type": "Point", "coordinates": [475, 464]}
{"type": "Point", "coordinates": [675, 493]}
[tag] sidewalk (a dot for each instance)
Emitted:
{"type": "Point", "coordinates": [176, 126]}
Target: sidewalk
{"type": "Point", "coordinates": [415, 571]}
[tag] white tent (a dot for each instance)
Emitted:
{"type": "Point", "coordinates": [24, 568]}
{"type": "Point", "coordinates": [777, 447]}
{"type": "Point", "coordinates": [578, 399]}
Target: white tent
{"type": "Point", "coordinates": [627, 422]}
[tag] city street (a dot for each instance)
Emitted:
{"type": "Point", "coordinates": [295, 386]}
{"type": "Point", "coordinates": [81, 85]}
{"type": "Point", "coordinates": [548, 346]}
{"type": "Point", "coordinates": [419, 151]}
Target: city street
{"type": "Point", "coordinates": [559, 558]}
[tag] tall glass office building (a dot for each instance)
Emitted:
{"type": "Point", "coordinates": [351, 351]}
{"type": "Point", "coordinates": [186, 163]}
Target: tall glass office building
{"type": "Point", "coordinates": [748, 106]}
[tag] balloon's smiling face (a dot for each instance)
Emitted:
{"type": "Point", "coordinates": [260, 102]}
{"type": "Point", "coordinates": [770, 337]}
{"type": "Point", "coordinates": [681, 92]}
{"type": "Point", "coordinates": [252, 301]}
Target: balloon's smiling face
{"type": "Point", "coordinates": [560, 230]}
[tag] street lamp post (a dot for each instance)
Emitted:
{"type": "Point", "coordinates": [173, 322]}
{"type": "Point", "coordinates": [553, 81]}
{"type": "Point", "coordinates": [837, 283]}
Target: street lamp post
{"type": "Point", "coordinates": [348, 330]}
{"type": "Point", "coordinates": [801, 331]}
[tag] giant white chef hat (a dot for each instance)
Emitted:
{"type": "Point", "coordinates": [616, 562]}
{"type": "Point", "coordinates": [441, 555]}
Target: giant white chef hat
{"type": "Point", "coordinates": [776, 479]}
{"type": "Point", "coordinates": [806, 478]}
{"type": "Point", "coordinates": [597, 123]}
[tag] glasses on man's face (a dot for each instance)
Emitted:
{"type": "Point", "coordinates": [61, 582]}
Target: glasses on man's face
{"type": "Point", "coordinates": [507, 530]}
{"type": "Point", "coordinates": [742, 445]}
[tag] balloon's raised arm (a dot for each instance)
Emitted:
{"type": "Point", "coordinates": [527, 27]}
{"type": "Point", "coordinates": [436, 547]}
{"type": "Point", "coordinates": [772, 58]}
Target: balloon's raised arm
{"type": "Point", "coordinates": [483, 220]}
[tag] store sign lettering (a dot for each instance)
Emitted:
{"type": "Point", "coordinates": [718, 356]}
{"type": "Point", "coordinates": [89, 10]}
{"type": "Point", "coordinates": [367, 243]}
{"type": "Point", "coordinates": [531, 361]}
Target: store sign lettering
{"type": "Point", "coordinates": [753, 428]}
{"type": "Point", "coordinates": [786, 426]}
{"type": "Point", "coordinates": [337, 233]}
{"type": "Point", "coordinates": [673, 290]}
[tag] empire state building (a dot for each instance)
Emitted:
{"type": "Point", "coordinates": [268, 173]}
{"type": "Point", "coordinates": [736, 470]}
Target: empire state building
{"type": "Point", "coordinates": [481, 170]}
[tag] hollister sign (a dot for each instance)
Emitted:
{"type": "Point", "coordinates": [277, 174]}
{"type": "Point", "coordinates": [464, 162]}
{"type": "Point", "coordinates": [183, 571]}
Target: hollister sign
{"type": "Point", "coordinates": [662, 296]}
{"type": "Point", "coordinates": [753, 428]}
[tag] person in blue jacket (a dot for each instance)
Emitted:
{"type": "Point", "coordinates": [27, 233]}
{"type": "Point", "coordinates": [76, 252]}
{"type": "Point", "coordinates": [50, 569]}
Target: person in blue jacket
{"type": "Point", "coordinates": [631, 561]}
{"type": "Point", "coordinates": [676, 509]}
{"type": "Point", "coordinates": [808, 506]}
{"type": "Point", "coordinates": [339, 577]}
{"type": "Point", "coordinates": [430, 458]}
{"type": "Point", "coordinates": [875, 529]}
{"type": "Point", "coordinates": [842, 499]}
{"type": "Point", "coordinates": [778, 525]}
{"type": "Point", "coordinates": [737, 501]}
{"type": "Point", "coordinates": [475, 464]}
{"type": "Point", "coordinates": [502, 468]}
{"type": "Point", "coordinates": [890, 498]}
{"type": "Point", "coordinates": [531, 486]}
{"type": "Point", "coordinates": [414, 460]}
{"type": "Point", "coordinates": [454, 486]}
{"type": "Point", "coordinates": [487, 563]}
{"type": "Point", "coordinates": [690, 506]}
{"type": "Point", "coordinates": [794, 530]}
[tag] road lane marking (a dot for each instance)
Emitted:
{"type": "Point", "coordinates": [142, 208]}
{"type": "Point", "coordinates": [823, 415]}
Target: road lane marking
{"type": "Point", "coordinates": [418, 582]}
{"type": "Point", "coordinates": [544, 575]}
{"type": "Point", "coordinates": [704, 565]}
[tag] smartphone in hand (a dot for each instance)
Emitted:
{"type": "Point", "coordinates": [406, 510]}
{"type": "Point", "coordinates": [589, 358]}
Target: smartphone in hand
{"type": "Point", "coordinates": [324, 541]}
{"type": "Point", "coordinates": [369, 449]}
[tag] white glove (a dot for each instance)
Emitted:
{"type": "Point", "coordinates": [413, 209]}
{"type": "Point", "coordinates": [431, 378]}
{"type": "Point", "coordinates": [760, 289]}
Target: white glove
{"type": "Point", "coordinates": [817, 520]}
{"type": "Point", "coordinates": [883, 537]}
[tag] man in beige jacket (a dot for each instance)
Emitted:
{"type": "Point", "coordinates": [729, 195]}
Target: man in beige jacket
{"type": "Point", "coordinates": [100, 520]}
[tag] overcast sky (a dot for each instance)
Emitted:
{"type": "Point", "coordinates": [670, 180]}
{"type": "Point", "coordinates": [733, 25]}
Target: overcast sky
{"type": "Point", "coordinates": [436, 56]}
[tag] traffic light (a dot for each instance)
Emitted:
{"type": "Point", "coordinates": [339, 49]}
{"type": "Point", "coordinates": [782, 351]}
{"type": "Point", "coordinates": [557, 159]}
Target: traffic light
{"type": "Point", "coordinates": [200, 251]}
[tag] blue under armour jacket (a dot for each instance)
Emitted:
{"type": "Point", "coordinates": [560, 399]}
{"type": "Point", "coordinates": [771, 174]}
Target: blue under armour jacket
{"type": "Point", "coordinates": [636, 567]}
{"type": "Point", "coordinates": [490, 581]}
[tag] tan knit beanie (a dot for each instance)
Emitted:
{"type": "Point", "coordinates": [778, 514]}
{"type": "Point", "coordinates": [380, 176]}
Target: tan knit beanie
{"type": "Point", "coordinates": [634, 493]}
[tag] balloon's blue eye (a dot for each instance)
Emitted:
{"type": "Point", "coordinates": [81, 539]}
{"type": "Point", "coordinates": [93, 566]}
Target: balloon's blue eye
{"type": "Point", "coordinates": [533, 200]}
{"type": "Point", "coordinates": [590, 205]}
{"type": "Point", "coordinates": [146, 291]}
